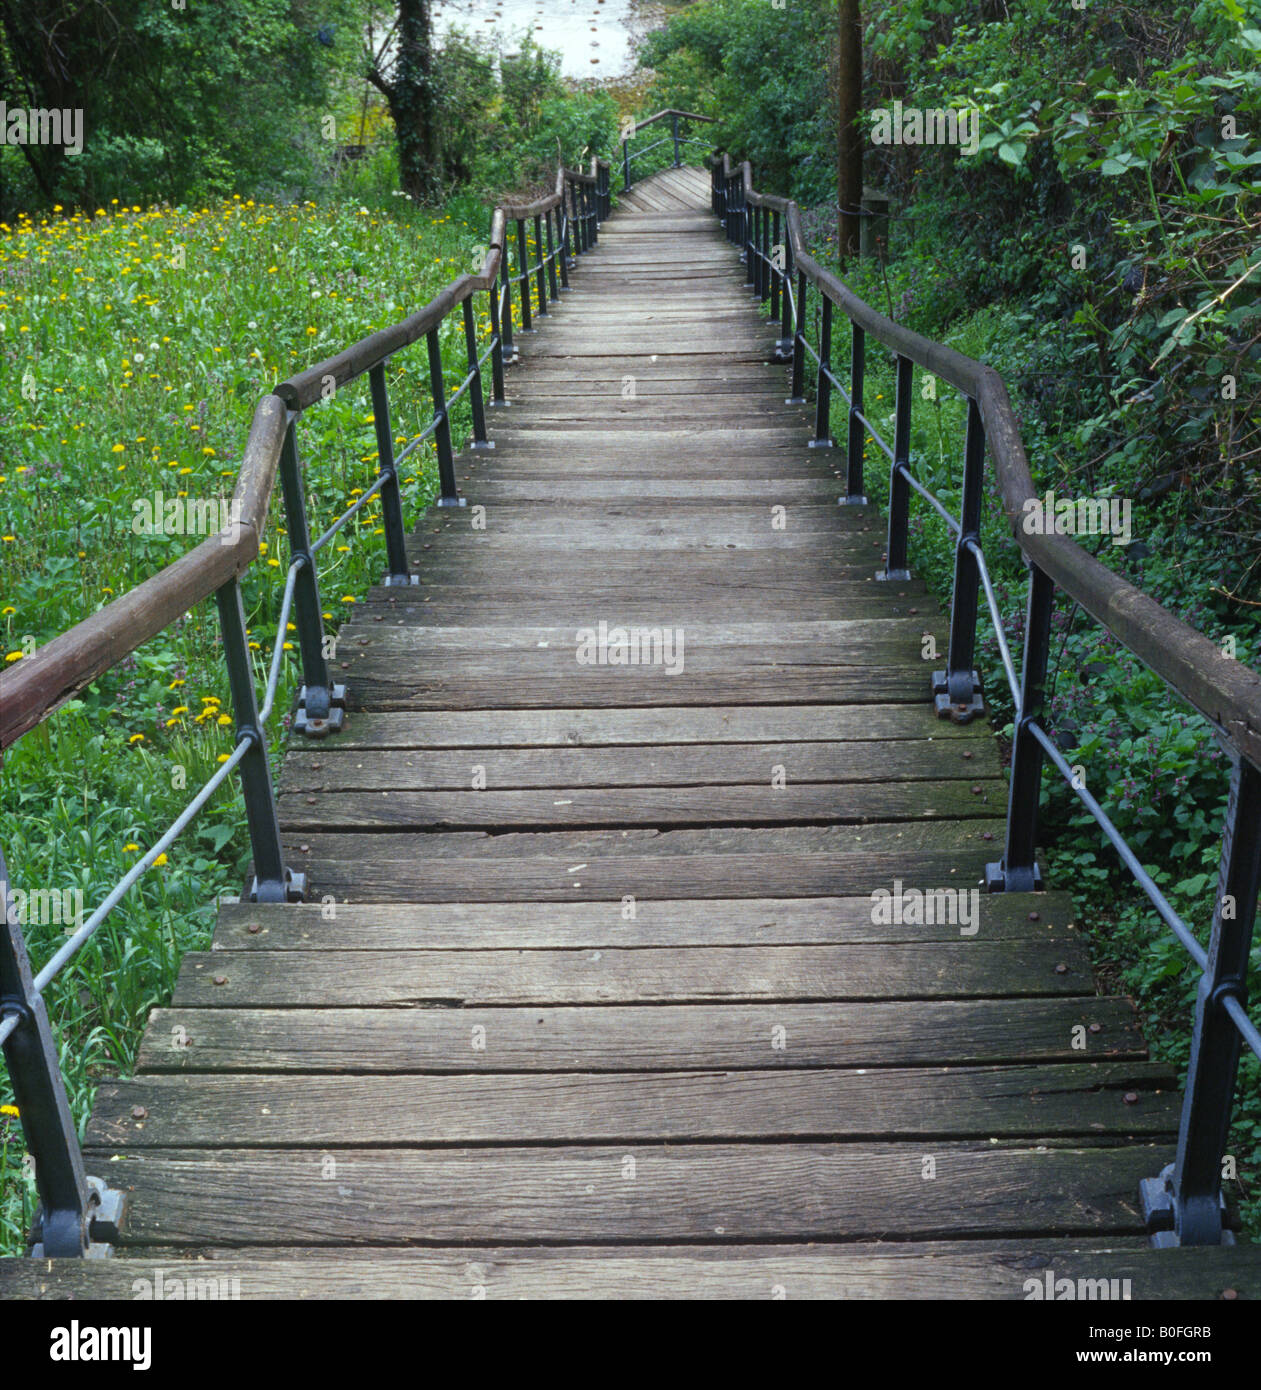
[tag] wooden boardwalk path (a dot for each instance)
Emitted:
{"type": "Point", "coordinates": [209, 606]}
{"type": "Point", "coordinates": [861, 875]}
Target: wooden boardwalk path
{"type": "Point", "coordinates": [595, 1003]}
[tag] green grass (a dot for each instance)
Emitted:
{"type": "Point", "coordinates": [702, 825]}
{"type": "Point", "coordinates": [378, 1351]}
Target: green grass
{"type": "Point", "coordinates": [136, 343]}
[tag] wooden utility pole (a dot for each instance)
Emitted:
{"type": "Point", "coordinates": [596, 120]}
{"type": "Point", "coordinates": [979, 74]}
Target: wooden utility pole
{"type": "Point", "coordinates": [849, 104]}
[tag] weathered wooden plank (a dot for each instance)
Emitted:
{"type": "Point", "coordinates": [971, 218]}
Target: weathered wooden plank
{"type": "Point", "coordinates": [540, 486]}
{"type": "Point", "coordinates": [730, 441]}
{"type": "Point", "coordinates": [538, 926]}
{"type": "Point", "coordinates": [537, 518]}
{"type": "Point", "coordinates": [431, 604]}
{"type": "Point", "coordinates": [715, 724]}
{"type": "Point", "coordinates": [677, 1192]}
{"type": "Point", "coordinates": [953, 1270]}
{"type": "Point", "coordinates": [764, 804]}
{"type": "Point", "coordinates": [206, 1111]}
{"type": "Point", "coordinates": [544, 388]}
{"type": "Point", "coordinates": [829, 637]}
{"type": "Point", "coordinates": [635, 519]}
{"type": "Point", "coordinates": [634, 460]}
{"type": "Point", "coordinates": [384, 684]}
{"type": "Point", "coordinates": [831, 547]}
{"type": "Point", "coordinates": [909, 841]}
{"type": "Point", "coordinates": [665, 1037]}
{"type": "Point", "coordinates": [353, 871]}
{"type": "Point", "coordinates": [696, 569]}
{"type": "Point", "coordinates": [651, 765]}
{"type": "Point", "coordinates": [594, 865]}
{"type": "Point", "coordinates": [358, 979]}
{"type": "Point", "coordinates": [664, 379]}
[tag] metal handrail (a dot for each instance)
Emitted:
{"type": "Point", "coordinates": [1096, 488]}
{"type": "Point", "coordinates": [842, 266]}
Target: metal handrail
{"type": "Point", "coordinates": [1184, 1204]}
{"type": "Point", "coordinates": [631, 128]}
{"type": "Point", "coordinates": [79, 1215]}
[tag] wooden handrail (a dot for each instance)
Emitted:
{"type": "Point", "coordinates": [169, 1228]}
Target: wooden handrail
{"type": "Point", "coordinates": [671, 111]}
{"type": "Point", "coordinates": [32, 689]}
{"type": "Point", "coordinates": [1223, 689]}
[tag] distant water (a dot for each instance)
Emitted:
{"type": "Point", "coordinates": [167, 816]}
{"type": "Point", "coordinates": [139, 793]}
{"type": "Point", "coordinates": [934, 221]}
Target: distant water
{"type": "Point", "coordinates": [593, 39]}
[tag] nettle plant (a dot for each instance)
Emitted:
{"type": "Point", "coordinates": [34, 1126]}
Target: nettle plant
{"type": "Point", "coordinates": [1178, 327]}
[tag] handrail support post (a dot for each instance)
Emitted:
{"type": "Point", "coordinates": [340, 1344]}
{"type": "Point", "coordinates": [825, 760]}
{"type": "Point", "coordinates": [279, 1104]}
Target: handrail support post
{"type": "Point", "coordinates": [523, 266]}
{"type": "Point", "coordinates": [1185, 1205]}
{"type": "Point", "coordinates": [274, 881]}
{"type": "Point", "coordinates": [542, 265]}
{"type": "Point", "coordinates": [481, 440]}
{"type": "Point", "coordinates": [796, 392]}
{"type": "Point", "coordinates": [1018, 871]}
{"type": "Point", "coordinates": [321, 703]}
{"type": "Point", "coordinates": [553, 287]}
{"type": "Point", "coordinates": [823, 382]}
{"type": "Point", "coordinates": [449, 492]}
{"type": "Point", "coordinates": [895, 566]}
{"type": "Point", "coordinates": [957, 689]}
{"type": "Point", "coordinates": [78, 1216]}
{"type": "Point", "coordinates": [854, 472]}
{"type": "Point", "coordinates": [398, 572]}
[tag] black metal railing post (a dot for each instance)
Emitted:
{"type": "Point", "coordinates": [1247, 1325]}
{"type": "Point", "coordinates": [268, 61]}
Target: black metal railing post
{"type": "Point", "coordinates": [823, 381]}
{"type": "Point", "coordinates": [626, 165]}
{"type": "Point", "coordinates": [674, 130]}
{"type": "Point", "coordinates": [541, 277]}
{"type": "Point", "coordinates": [497, 393]}
{"type": "Point", "coordinates": [796, 393]}
{"type": "Point", "coordinates": [748, 246]}
{"type": "Point", "coordinates": [855, 433]}
{"type": "Point", "coordinates": [77, 1215]}
{"type": "Point", "coordinates": [273, 881]}
{"type": "Point", "coordinates": [523, 267]}
{"type": "Point", "coordinates": [476, 403]}
{"type": "Point", "coordinates": [1018, 871]}
{"type": "Point", "coordinates": [321, 701]}
{"type": "Point", "coordinates": [784, 347]}
{"type": "Point", "coordinates": [899, 489]}
{"type": "Point", "coordinates": [775, 252]}
{"type": "Point", "coordinates": [449, 493]}
{"type": "Point", "coordinates": [552, 287]}
{"type": "Point", "coordinates": [509, 348]}
{"type": "Point", "coordinates": [1184, 1205]}
{"type": "Point", "coordinates": [399, 572]}
{"type": "Point", "coordinates": [957, 689]}
{"type": "Point", "coordinates": [562, 242]}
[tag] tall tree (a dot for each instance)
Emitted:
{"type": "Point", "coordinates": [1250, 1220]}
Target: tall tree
{"type": "Point", "coordinates": [849, 143]}
{"type": "Point", "coordinates": [401, 68]}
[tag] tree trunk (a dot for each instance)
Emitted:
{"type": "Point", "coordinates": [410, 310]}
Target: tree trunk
{"type": "Point", "coordinates": [412, 105]}
{"type": "Point", "coordinates": [849, 145]}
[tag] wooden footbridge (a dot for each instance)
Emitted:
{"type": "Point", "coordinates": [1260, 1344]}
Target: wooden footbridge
{"type": "Point", "coordinates": [642, 951]}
